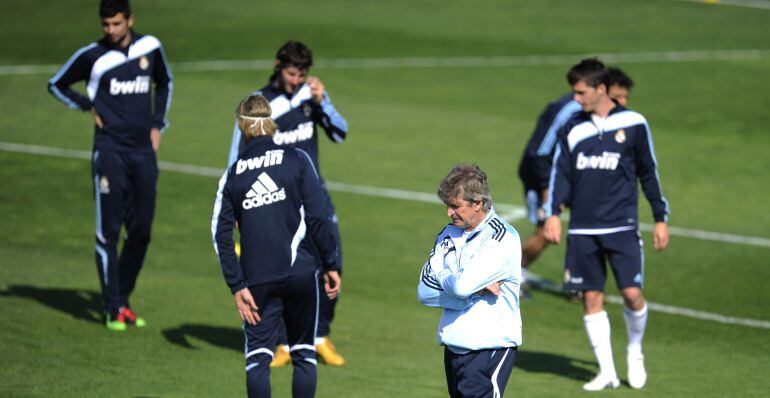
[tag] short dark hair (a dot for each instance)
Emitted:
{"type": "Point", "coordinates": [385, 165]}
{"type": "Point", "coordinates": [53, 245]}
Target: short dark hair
{"type": "Point", "coordinates": [619, 78]}
{"type": "Point", "coordinates": [591, 71]}
{"type": "Point", "coordinates": [294, 53]}
{"type": "Point", "coordinates": [110, 8]}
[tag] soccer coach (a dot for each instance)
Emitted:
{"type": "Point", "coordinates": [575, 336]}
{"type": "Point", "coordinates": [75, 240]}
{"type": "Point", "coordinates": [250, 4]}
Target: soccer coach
{"type": "Point", "coordinates": [474, 274]}
{"type": "Point", "coordinates": [274, 194]}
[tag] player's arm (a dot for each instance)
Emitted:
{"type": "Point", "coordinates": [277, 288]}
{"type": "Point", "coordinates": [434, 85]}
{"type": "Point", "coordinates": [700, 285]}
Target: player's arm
{"type": "Point", "coordinates": [324, 112]}
{"type": "Point", "coordinates": [319, 223]}
{"type": "Point", "coordinates": [222, 223]}
{"type": "Point", "coordinates": [430, 292]}
{"type": "Point", "coordinates": [494, 262]}
{"type": "Point", "coordinates": [161, 75]}
{"type": "Point", "coordinates": [235, 144]}
{"type": "Point", "coordinates": [647, 169]}
{"type": "Point", "coordinates": [558, 191]}
{"type": "Point", "coordinates": [76, 69]}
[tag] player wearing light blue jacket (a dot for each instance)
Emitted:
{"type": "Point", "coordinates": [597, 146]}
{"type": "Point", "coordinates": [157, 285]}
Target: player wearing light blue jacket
{"type": "Point", "coordinates": [473, 274]}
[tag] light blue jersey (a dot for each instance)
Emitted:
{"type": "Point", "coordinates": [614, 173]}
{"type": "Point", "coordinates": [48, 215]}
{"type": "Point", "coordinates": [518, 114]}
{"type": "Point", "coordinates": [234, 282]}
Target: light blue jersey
{"type": "Point", "coordinates": [461, 264]}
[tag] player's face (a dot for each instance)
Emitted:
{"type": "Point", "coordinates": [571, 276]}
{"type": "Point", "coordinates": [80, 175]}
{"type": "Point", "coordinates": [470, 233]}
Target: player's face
{"type": "Point", "coordinates": [464, 214]}
{"type": "Point", "coordinates": [588, 97]}
{"type": "Point", "coordinates": [292, 77]}
{"type": "Point", "coordinates": [116, 28]}
{"type": "Point", "coordinates": [619, 94]}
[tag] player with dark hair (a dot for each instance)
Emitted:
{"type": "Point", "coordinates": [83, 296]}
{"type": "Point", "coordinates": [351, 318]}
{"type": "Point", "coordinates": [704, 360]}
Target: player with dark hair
{"type": "Point", "coordinates": [300, 104]}
{"type": "Point", "coordinates": [620, 86]}
{"type": "Point", "coordinates": [129, 120]}
{"type": "Point", "coordinates": [535, 165]}
{"type": "Point", "coordinates": [601, 153]}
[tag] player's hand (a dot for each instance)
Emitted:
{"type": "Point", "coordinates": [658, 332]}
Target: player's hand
{"type": "Point", "coordinates": [552, 229]}
{"type": "Point", "coordinates": [332, 284]}
{"type": "Point", "coordinates": [660, 236]}
{"type": "Point", "coordinates": [97, 118]}
{"type": "Point", "coordinates": [316, 88]}
{"type": "Point", "coordinates": [246, 306]}
{"type": "Point", "coordinates": [155, 137]}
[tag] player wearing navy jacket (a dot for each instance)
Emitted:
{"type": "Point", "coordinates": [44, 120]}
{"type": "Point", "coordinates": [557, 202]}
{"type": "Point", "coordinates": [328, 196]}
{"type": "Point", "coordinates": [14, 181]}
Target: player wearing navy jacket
{"type": "Point", "coordinates": [535, 165]}
{"type": "Point", "coordinates": [300, 104]}
{"type": "Point", "coordinates": [275, 197]}
{"type": "Point", "coordinates": [602, 152]}
{"type": "Point", "coordinates": [118, 70]}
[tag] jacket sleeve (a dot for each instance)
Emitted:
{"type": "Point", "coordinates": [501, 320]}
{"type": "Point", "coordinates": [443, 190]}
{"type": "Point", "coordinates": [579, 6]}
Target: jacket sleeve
{"type": "Point", "coordinates": [495, 261]}
{"type": "Point", "coordinates": [76, 69]}
{"type": "Point", "coordinates": [430, 292]}
{"type": "Point", "coordinates": [553, 125]}
{"type": "Point", "coordinates": [164, 86]}
{"type": "Point", "coordinates": [647, 170]}
{"type": "Point", "coordinates": [222, 222]}
{"type": "Point", "coordinates": [317, 214]}
{"type": "Point", "coordinates": [235, 145]}
{"type": "Point", "coordinates": [559, 182]}
{"type": "Point", "coordinates": [325, 114]}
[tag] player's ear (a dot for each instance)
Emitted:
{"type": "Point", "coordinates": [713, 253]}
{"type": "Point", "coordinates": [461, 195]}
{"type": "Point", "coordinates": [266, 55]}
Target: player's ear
{"type": "Point", "coordinates": [130, 21]}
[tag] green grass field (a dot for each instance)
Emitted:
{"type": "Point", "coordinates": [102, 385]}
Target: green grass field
{"type": "Point", "coordinates": [409, 125]}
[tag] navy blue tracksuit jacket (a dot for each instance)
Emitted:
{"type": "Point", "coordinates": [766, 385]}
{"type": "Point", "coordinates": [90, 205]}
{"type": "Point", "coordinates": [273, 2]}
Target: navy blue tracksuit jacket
{"type": "Point", "coordinates": [595, 169]}
{"type": "Point", "coordinates": [275, 195]}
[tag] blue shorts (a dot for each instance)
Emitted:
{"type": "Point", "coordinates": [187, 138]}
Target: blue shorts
{"type": "Point", "coordinates": [584, 266]}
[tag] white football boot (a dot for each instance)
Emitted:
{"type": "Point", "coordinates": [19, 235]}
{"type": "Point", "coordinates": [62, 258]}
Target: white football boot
{"type": "Point", "coordinates": [600, 382]}
{"type": "Point", "coordinates": [637, 375]}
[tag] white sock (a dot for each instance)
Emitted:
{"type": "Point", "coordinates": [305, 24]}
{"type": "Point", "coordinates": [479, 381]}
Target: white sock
{"type": "Point", "coordinates": [598, 329]}
{"type": "Point", "coordinates": [636, 322]}
{"type": "Point", "coordinates": [320, 340]}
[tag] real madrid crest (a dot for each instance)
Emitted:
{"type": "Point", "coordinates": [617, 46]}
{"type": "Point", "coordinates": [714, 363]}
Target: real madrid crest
{"type": "Point", "coordinates": [306, 109]}
{"type": "Point", "coordinates": [620, 136]}
{"type": "Point", "coordinates": [144, 63]}
{"type": "Point", "coordinates": [104, 185]}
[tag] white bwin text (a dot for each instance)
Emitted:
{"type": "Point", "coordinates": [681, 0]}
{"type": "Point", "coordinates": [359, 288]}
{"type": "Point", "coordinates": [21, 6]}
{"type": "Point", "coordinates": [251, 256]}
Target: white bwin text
{"type": "Point", "coordinates": [303, 132]}
{"type": "Point", "coordinates": [140, 85]}
{"type": "Point", "coordinates": [608, 161]}
{"type": "Point", "coordinates": [270, 158]}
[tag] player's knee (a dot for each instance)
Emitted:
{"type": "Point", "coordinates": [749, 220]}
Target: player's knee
{"type": "Point", "coordinates": [303, 355]}
{"type": "Point", "coordinates": [593, 301]}
{"type": "Point", "coordinates": [633, 298]}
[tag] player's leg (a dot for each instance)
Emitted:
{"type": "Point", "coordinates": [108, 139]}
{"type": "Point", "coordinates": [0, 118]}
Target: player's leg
{"type": "Point", "coordinates": [260, 338]}
{"type": "Point", "coordinates": [300, 294]}
{"type": "Point", "coordinates": [327, 352]}
{"type": "Point", "coordinates": [453, 365]}
{"type": "Point", "coordinates": [585, 271]}
{"type": "Point", "coordinates": [140, 209]}
{"type": "Point", "coordinates": [110, 183]}
{"type": "Point", "coordinates": [536, 243]}
{"type": "Point", "coordinates": [627, 261]}
{"type": "Point", "coordinates": [282, 357]}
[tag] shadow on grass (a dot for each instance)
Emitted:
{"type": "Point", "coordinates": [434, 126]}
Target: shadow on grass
{"type": "Point", "coordinates": [219, 336]}
{"type": "Point", "coordinates": [544, 362]}
{"type": "Point", "coordinates": [81, 304]}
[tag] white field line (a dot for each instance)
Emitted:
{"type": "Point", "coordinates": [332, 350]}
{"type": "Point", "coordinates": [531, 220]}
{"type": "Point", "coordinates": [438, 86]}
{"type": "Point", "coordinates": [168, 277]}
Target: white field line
{"type": "Point", "coordinates": [508, 211]}
{"type": "Point", "coordinates": [505, 210]}
{"type": "Point", "coordinates": [760, 4]}
{"type": "Point", "coordinates": [545, 284]}
{"type": "Point", "coordinates": [442, 62]}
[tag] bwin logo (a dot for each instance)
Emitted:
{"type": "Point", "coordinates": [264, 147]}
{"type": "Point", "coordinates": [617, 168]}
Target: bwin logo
{"type": "Point", "coordinates": [270, 158]}
{"type": "Point", "coordinates": [264, 191]}
{"type": "Point", "coordinates": [303, 132]}
{"type": "Point", "coordinates": [608, 161]}
{"type": "Point", "coordinates": [140, 85]}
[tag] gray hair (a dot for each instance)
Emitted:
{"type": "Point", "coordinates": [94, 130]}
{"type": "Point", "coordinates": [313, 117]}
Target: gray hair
{"type": "Point", "coordinates": [467, 181]}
